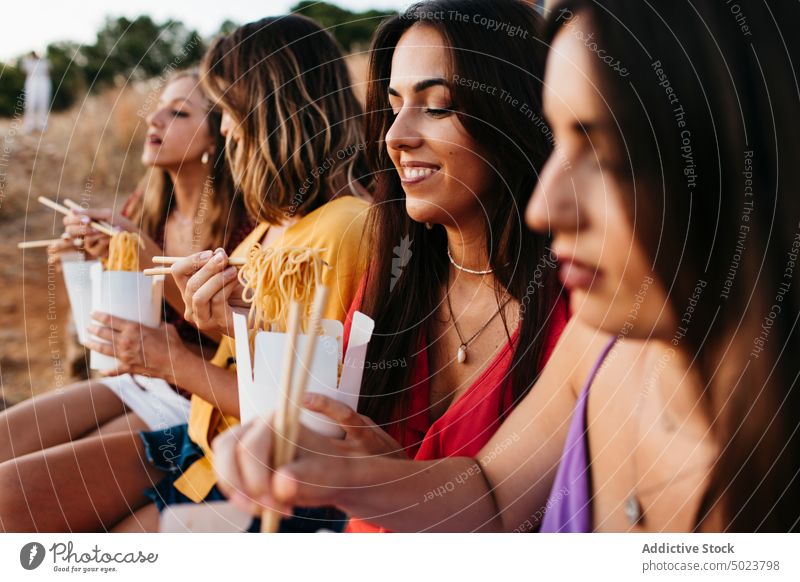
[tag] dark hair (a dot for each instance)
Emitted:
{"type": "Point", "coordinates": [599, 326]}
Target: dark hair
{"type": "Point", "coordinates": [286, 85]}
{"type": "Point", "coordinates": [515, 144]}
{"type": "Point", "coordinates": [703, 138]}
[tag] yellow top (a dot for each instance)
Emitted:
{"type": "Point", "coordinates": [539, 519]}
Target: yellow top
{"type": "Point", "coordinates": [336, 227]}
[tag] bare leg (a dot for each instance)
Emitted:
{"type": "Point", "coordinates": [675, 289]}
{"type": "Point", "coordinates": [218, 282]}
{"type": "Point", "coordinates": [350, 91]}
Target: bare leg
{"type": "Point", "coordinates": [145, 520]}
{"type": "Point", "coordinates": [88, 485]}
{"type": "Point", "coordinates": [129, 422]}
{"type": "Point", "coordinates": [56, 418]}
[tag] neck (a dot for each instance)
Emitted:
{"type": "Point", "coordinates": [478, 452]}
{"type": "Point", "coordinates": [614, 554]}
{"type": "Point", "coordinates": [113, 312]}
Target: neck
{"type": "Point", "coordinates": [677, 386]}
{"type": "Point", "coordinates": [467, 244]}
{"type": "Point", "coordinates": [188, 184]}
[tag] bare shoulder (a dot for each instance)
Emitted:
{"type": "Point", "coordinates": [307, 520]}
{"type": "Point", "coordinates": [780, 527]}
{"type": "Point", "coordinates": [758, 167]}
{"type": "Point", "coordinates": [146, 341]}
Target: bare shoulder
{"type": "Point", "coordinates": [576, 352]}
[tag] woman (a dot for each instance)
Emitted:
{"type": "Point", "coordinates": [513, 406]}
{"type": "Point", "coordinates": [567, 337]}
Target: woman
{"type": "Point", "coordinates": [461, 353]}
{"type": "Point", "coordinates": [686, 414]}
{"type": "Point", "coordinates": [311, 118]}
{"type": "Point", "coordinates": [304, 188]}
{"type": "Point", "coordinates": [186, 202]}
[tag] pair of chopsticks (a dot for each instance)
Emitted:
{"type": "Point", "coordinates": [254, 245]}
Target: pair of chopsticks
{"type": "Point", "coordinates": [287, 418]}
{"type": "Point", "coordinates": [236, 262]}
{"type": "Point", "coordinates": [103, 227]}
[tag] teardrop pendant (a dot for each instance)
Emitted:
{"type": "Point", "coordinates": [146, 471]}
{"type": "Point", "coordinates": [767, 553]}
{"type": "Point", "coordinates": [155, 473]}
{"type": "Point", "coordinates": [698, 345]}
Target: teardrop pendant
{"type": "Point", "coordinates": [633, 509]}
{"type": "Point", "coordinates": [461, 356]}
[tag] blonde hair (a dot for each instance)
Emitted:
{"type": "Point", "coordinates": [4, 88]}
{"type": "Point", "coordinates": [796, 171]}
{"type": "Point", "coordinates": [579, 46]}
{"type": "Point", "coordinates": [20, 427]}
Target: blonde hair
{"type": "Point", "coordinates": [221, 202]}
{"type": "Point", "coordinates": [285, 83]}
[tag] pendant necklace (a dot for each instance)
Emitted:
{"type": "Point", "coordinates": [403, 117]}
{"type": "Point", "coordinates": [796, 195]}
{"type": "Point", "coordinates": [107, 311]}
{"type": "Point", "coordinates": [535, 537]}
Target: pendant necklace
{"type": "Point", "coordinates": [461, 355]}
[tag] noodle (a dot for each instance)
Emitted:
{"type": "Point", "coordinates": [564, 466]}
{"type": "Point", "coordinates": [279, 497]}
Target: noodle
{"type": "Point", "coordinates": [123, 252]}
{"type": "Point", "coordinates": [273, 277]}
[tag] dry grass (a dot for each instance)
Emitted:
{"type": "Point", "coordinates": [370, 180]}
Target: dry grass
{"type": "Point", "coordinates": [90, 154]}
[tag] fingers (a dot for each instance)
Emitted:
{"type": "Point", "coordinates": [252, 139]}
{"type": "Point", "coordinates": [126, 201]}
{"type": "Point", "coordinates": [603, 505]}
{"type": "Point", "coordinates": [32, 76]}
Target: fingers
{"type": "Point", "coordinates": [210, 302]}
{"type": "Point", "coordinates": [253, 454]}
{"type": "Point", "coordinates": [115, 323]}
{"type": "Point", "coordinates": [242, 473]}
{"type": "Point", "coordinates": [340, 413]}
{"type": "Point", "coordinates": [184, 269]}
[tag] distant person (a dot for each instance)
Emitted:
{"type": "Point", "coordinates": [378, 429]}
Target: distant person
{"type": "Point", "coordinates": [38, 90]}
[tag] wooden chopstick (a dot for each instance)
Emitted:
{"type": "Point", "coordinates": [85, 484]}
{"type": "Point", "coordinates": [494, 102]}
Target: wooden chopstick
{"type": "Point", "coordinates": [270, 519]}
{"type": "Point", "coordinates": [236, 261]}
{"type": "Point", "coordinates": [157, 271]}
{"type": "Point", "coordinates": [37, 244]}
{"type": "Point", "coordinates": [64, 210]}
{"type": "Point", "coordinates": [292, 398]}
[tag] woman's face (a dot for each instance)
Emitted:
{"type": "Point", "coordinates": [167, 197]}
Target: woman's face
{"type": "Point", "coordinates": [177, 131]}
{"type": "Point", "coordinates": [582, 203]}
{"type": "Point", "coordinates": [441, 170]}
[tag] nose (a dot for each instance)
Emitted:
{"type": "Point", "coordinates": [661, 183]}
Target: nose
{"type": "Point", "coordinates": [553, 206]}
{"type": "Point", "coordinates": [404, 133]}
{"type": "Point", "coordinates": [155, 119]}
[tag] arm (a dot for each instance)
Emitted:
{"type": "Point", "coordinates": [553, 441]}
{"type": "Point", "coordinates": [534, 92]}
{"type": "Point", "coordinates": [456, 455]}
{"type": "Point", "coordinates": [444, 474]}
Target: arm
{"type": "Point", "coordinates": [160, 353]}
{"type": "Point", "coordinates": [498, 491]}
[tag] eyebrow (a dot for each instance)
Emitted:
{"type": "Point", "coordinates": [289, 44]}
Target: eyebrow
{"type": "Point", "coordinates": [420, 86]}
{"type": "Point", "coordinates": [178, 101]}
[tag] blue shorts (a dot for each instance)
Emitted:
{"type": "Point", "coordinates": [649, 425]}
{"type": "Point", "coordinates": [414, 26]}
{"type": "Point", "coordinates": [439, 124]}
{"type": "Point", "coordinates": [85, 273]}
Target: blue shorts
{"type": "Point", "coordinates": [172, 451]}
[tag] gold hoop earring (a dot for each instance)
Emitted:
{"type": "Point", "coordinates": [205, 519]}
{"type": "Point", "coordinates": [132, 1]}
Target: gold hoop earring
{"type": "Point", "coordinates": [204, 158]}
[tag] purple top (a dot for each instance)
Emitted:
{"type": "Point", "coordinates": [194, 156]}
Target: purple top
{"type": "Point", "coordinates": [569, 508]}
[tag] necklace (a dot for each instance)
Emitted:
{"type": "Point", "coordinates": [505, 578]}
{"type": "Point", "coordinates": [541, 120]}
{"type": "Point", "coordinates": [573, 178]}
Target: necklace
{"type": "Point", "coordinates": [460, 268]}
{"type": "Point", "coordinates": [461, 355]}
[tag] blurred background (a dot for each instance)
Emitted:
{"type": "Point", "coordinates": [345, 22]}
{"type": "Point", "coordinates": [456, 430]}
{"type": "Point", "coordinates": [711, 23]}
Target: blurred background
{"type": "Point", "coordinates": [107, 68]}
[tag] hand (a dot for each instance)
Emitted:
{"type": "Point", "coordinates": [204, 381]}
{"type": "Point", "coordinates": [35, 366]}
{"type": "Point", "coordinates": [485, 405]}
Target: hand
{"type": "Point", "coordinates": [363, 437]}
{"type": "Point", "coordinates": [208, 284]}
{"type": "Point", "coordinates": [76, 226]}
{"type": "Point", "coordinates": [243, 458]}
{"type": "Point", "coordinates": [139, 349]}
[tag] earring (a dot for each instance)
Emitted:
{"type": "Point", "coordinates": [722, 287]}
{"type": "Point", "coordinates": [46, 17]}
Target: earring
{"type": "Point", "coordinates": [429, 226]}
{"type": "Point", "coordinates": [204, 158]}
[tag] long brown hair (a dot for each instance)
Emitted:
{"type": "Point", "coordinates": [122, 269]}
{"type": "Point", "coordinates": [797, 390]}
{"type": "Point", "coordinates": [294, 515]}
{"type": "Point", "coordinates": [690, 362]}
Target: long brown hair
{"type": "Point", "coordinates": [286, 86]}
{"type": "Point", "coordinates": [515, 145]}
{"type": "Point", "coordinates": [701, 106]}
{"type": "Point", "coordinates": [221, 201]}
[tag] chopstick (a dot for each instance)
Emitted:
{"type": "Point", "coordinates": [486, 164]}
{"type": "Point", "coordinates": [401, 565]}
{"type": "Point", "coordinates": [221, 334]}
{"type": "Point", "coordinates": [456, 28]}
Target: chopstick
{"type": "Point", "coordinates": [288, 417]}
{"type": "Point", "coordinates": [235, 261]}
{"type": "Point", "coordinates": [64, 210]}
{"type": "Point", "coordinates": [37, 244]}
{"type": "Point", "coordinates": [270, 519]}
{"type": "Point", "coordinates": [157, 271]}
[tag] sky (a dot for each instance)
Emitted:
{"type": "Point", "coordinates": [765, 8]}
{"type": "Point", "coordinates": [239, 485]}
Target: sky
{"type": "Point", "coordinates": [33, 24]}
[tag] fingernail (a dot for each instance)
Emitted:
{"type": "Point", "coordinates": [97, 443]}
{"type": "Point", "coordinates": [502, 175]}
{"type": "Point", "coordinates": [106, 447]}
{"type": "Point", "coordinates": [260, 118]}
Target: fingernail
{"type": "Point", "coordinates": [230, 272]}
{"type": "Point", "coordinates": [206, 254]}
{"type": "Point", "coordinates": [85, 219]}
{"type": "Point", "coordinates": [219, 258]}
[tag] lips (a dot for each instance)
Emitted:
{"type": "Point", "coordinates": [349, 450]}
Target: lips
{"type": "Point", "coordinates": [153, 139]}
{"type": "Point", "coordinates": [416, 172]}
{"type": "Point", "coordinates": [577, 275]}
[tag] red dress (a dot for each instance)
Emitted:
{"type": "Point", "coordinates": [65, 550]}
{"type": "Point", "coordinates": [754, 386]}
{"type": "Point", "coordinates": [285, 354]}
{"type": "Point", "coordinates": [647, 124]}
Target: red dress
{"type": "Point", "coordinates": [471, 421]}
